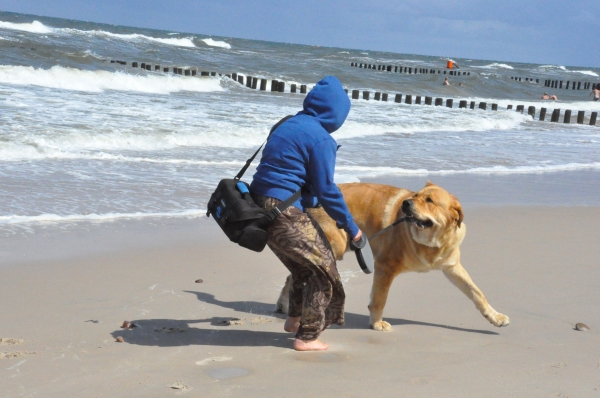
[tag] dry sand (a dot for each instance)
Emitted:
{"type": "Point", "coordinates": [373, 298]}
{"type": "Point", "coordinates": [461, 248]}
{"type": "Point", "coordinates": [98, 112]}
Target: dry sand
{"type": "Point", "coordinates": [66, 292]}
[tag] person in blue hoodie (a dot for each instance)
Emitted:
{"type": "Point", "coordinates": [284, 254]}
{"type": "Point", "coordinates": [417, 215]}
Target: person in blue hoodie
{"type": "Point", "coordinates": [300, 154]}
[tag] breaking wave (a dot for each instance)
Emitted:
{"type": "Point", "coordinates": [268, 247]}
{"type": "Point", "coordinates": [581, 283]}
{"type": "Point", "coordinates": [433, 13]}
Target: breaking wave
{"type": "Point", "coordinates": [363, 171]}
{"type": "Point", "coordinates": [97, 81]}
{"type": "Point", "coordinates": [44, 218]}
{"type": "Point", "coordinates": [33, 27]}
{"type": "Point", "coordinates": [215, 43]}
{"type": "Point", "coordinates": [38, 27]}
{"type": "Point", "coordinates": [495, 65]}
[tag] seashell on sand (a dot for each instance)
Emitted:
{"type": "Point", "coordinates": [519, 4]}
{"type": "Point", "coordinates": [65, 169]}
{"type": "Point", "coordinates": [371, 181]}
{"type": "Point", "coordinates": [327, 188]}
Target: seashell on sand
{"type": "Point", "coordinates": [582, 327]}
{"type": "Point", "coordinates": [120, 339]}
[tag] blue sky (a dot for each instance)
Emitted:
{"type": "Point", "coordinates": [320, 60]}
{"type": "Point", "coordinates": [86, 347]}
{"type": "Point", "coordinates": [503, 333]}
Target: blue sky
{"type": "Point", "coordinates": [545, 32]}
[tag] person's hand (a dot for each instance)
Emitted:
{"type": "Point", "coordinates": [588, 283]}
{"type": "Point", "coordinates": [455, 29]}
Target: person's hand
{"type": "Point", "coordinates": [358, 236]}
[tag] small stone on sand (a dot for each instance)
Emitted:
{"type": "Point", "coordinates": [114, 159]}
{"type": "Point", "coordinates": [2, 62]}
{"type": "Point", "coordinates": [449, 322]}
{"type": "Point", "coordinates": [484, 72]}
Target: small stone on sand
{"type": "Point", "coordinates": [126, 325]}
{"type": "Point", "coordinates": [120, 339]}
{"type": "Point", "coordinates": [582, 327]}
{"type": "Point", "coordinates": [180, 386]}
{"type": "Point", "coordinates": [199, 281]}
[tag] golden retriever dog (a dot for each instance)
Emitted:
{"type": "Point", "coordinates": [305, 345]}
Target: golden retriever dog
{"type": "Point", "coordinates": [428, 240]}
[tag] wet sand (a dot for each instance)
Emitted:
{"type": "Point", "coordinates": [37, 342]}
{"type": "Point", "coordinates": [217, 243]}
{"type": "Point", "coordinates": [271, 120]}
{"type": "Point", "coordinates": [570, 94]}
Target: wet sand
{"type": "Point", "coordinates": [66, 292]}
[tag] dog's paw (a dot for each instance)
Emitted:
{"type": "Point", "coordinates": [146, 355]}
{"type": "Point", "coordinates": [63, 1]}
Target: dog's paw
{"type": "Point", "coordinates": [381, 326]}
{"type": "Point", "coordinates": [498, 319]}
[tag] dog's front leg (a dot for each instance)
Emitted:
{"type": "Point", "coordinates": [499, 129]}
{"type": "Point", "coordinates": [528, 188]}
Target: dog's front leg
{"type": "Point", "coordinates": [382, 281]}
{"type": "Point", "coordinates": [461, 279]}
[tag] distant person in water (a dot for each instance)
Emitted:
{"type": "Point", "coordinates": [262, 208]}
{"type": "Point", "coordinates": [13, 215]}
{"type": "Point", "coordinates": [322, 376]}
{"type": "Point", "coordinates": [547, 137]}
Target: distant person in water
{"type": "Point", "coordinates": [549, 97]}
{"type": "Point", "coordinates": [596, 92]}
{"type": "Point", "coordinates": [460, 84]}
{"type": "Point", "coordinates": [446, 82]}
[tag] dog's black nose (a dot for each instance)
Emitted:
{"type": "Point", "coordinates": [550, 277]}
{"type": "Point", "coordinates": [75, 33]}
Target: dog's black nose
{"type": "Point", "coordinates": [407, 206]}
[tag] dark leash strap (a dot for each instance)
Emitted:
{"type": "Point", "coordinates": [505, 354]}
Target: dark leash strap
{"type": "Point", "coordinates": [362, 242]}
{"type": "Point", "coordinates": [277, 210]}
{"type": "Point", "coordinates": [392, 225]}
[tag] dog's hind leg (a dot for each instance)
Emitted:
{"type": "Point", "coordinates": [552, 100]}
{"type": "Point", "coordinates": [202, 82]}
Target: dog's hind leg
{"type": "Point", "coordinates": [382, 281]}
{"type": "Point", "coordinates": [283, 301]}
{"type": "Point", "coordinates": [461, 279]}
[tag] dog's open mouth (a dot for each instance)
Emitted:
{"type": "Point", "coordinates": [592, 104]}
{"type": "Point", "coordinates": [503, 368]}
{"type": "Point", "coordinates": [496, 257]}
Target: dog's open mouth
{"type": "Point", "coordinates": [423, 224]}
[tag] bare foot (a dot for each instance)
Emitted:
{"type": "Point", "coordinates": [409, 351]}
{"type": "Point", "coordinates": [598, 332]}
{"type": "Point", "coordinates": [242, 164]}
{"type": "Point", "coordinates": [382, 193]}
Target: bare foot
{"type": "Point", "coordinates": [313, 345]}
{"type": "Point", "coordinates": [292, 324]}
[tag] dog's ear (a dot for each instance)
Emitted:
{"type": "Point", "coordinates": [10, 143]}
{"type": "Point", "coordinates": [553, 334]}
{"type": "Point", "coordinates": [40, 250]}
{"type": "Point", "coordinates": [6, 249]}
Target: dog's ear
{"type": "Point", "coordinates": [429, 183]}
{"type": "Point", "coordinates": [457, 208]}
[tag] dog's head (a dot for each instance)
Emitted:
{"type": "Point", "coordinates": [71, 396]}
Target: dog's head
{"type": "Point", "coordinates": [435, 217]}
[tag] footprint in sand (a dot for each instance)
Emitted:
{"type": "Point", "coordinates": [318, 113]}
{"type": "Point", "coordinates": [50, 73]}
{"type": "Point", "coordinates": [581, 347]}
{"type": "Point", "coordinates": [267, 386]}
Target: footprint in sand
{"type": "Point", "coordinates": [18, 354]}
{"type": "Point", "coordinates": [213, 359]}
{"type": "Point", "coordinates": [227, 373]}
{"type": "Point", "coordinates": [8, 341]}
{"type": "Point", "coordinates": [181, 386]}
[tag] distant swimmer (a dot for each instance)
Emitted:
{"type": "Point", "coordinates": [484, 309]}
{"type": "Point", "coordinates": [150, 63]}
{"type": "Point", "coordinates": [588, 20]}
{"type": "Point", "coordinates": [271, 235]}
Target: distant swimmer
{"type": "Point", "coordinates": [446, 82]}
{"type": "Point", "coordinates": [549, 97]}
{"type": "Point", "coordinates": [460, 84]}
{"type": "Point", "coordinates": [596, 92]}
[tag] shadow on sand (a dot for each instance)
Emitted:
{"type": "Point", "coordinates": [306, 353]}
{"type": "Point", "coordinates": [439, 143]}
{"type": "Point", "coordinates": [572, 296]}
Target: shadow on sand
{"type": "Point", "coordinates": [172, 333]}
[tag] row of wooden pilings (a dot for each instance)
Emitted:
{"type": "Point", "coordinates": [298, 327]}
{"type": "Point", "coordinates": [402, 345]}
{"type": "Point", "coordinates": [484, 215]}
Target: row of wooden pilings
{"type": "Point", "coordinates": [574, 86]}
{"type": "Point", "coordinates": [248, 81]}
{"type": "Point", "coordinates": [555, 117]}
{"type": "Point", "coordinates": [531, 111]}
{"type": "Point", "coordinates": [407, 69]}
{"type": "Point", "coordinates": [277, 86]}
{"type": "Point", "coordinates": [527, 79]}
{"type": "Point", "coordinates": [418, 100]}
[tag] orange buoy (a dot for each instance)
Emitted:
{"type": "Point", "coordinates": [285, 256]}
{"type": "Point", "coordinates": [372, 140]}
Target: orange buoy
{"type": "Point", "coordinates": [450, 64]}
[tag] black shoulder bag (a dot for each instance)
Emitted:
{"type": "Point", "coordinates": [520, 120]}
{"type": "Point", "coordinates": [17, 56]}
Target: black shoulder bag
{"type": "Point", "coordinates": [242, 220]}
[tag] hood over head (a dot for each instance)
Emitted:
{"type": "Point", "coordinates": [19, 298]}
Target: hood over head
{"type": "Point", "coordinates": [328, 103]}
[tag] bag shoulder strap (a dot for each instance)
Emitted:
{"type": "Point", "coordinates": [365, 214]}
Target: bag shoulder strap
{"type": "Point", "coordinates": [243, 170]}
{"type": "Point", "coordinates": [277, 210]}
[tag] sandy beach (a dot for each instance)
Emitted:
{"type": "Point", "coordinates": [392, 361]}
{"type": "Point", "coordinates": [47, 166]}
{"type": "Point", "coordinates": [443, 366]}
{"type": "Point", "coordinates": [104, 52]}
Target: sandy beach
{"type": "Point", "coordinates": [117, 124]}
{"type": "Point", "coordinates": [65, 292]}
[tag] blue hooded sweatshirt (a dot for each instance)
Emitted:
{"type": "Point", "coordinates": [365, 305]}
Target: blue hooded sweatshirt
{"type": "Point", "coordinates": [301, 153]}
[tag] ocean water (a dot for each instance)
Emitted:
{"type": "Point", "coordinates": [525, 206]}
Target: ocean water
{"type": "Point", "coordinates": [85, 139]}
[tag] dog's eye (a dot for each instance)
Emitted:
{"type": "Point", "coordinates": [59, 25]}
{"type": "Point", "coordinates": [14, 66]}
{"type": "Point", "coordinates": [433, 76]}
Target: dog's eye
{"type": "Point", "coordinates": [429, 200]}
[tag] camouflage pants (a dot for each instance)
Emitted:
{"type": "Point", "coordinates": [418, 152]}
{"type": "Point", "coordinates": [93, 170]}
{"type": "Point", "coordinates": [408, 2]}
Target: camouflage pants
{"type": "Point", "coordinates": [316, 295]}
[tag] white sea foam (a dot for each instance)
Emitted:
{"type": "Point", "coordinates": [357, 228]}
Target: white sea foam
{"type": "Point", "coordinates": [180, 42]}
{"type": "Point", "coordinates": [552, 66]}
{"type": "Point", "coordinates": [562, 68]}
{"type": "Point", "coordinates": [38, 27]}
{"type": "Point", "coordinates": [364, 171]}
{"type": "Point", "coordinates": [586, 72]}
{"type": "Point", "coordinates": [33, 27]}
{"type": "Point", "coordinates": [216, 43]}
{"type": "Point", "coordinates": [495, 65]}
{"type": "Point", "coordinates": [49, 218]}
{"type": "Point", "coordinates": [411, 124]}
{"type": "Point", "coordinates": [97, 81]}
{"type": "Point", "coordinates": [11, 152]}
